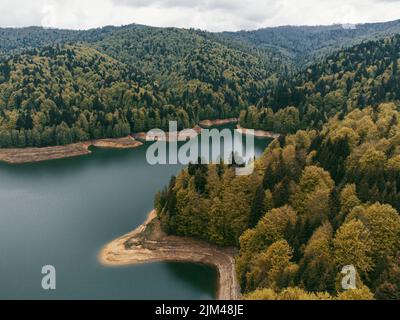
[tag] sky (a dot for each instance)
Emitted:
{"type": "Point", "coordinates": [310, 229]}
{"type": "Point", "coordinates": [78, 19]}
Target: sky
{"type": "Point", "coordinates": [211, 15]}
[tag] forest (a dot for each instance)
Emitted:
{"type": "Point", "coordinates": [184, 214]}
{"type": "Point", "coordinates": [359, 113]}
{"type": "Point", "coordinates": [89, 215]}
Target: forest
{"type": "Point", "coordinates": [318, 201]}
{"type": "Point", "coordinates": [325, 195]}
{"type": "Point", "coordinates": [304, 44]}
{"type": "Point", "coordinates": [60, 95]}
{"type": "Point", "coordinates": [363, 75]}
{"type": "Point", "coordinates": [62, 86]}
{"type": "Point", "coordinates": [70, 92]}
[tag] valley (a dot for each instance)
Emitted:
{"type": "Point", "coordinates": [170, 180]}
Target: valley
{"type": "Point", "coordinates": [324, 193]}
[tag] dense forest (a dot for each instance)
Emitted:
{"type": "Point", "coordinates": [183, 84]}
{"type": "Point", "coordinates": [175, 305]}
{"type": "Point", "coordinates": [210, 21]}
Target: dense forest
{"type": "Point", "coordinates": [61, 86]}
{"type": "Point", "coordinates": [364, 75]}
{"type": "Point", "coordinates": [304, 44]}
{"type": "Point", "coordinates": [136, 80]}
{"type": "Point", "coordinates": [324, 195]}
{"type": "Point", "coordinates": [193, 70]}
{"type": "Point", "coordinates": [59, 95]}
{"type": "Point", "coordinates": [299, 45]}
{"type": "Point", "coordinates": [67, 93]}
{"type": "Point", "coordinates": [318, 201]}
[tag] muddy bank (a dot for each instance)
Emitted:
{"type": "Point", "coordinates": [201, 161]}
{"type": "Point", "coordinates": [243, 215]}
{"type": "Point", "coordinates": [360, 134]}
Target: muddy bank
{"type": "Point", "coordinates": [149, 243]}
{"type": "Point", "coordinates": [183, 135]}
{"type": "Point", "coordinates": [218, 122]}
{"type": "Point", "coordinates": [258, 133]}
{"type": "Point", "coordinates": [29, 155]}
{"type": "Point", "coordinates": [121, 143]}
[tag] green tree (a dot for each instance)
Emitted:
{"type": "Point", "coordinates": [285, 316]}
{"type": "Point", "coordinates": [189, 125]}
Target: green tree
{"type": "Point", "coordinates": [268, 268]}
{"type": "Point", "coordinates": [353, 246]}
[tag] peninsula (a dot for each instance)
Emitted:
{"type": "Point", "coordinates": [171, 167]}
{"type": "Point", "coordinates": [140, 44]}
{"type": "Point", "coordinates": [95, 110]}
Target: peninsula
{"type": "Point", "coordinates": [149, 243]}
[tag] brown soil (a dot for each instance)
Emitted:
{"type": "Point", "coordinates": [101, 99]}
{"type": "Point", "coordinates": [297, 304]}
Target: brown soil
{"type": "Point", "coordinates": [28, 155]}
{"type": "Point", "coordinates": [219, 122]}
{"type": "Point", "coordinates": [259, 133]}
{"type": "Point", "coordinates": [149, 243]}
{"type": "Point", "coordinates": [183, 135]}
{"type": "Point", "coordinates": [122, 143]}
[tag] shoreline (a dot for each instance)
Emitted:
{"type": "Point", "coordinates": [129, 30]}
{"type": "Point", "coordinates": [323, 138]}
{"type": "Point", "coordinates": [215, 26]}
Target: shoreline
{"type": "Point", "coordinates": [183, 135]}
{"type": "Point", "coordinates": [36, 154]}
{"type": "Point", "coordinates": [219, 122]}
{"type": "Point", "coordinates": [39, 154]}
{"type": "Point", "coordinates": [32, 155]}
{"type": "Point", "coordinates": [258, 133]}
{"type": "Point", "coordinates": [149, 244]}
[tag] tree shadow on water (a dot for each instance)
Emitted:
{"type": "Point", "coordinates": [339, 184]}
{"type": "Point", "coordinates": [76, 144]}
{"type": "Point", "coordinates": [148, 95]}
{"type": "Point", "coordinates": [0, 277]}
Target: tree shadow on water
{"type": "Point", "coordinates": [200, 277]}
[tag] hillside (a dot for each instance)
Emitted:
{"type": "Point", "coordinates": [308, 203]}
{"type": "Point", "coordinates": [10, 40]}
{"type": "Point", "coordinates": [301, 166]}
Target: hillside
{"type": "Point", "coordinates": [186, 75]}
{"type": "Point", "coordinates": [321, 198]}
{"type": "Point", "coordinates": [144, 78]}
{"type": "Point", "coordinates": [48, 92]}
{"type": "Point", "coordinates": [317, 202]}
{"type": "Point", "coordinates": [299, 45]}
{"type": "Point", "coordinates": [305, 44]}
{"type": "Point", "coordinates": [58, 95]}
{"type": "Point", "coordinates": [185, 62]}
{"type": "Point", "coordinates": [357, 77]}
{"type": "Point", "coordinates": [18, 40]}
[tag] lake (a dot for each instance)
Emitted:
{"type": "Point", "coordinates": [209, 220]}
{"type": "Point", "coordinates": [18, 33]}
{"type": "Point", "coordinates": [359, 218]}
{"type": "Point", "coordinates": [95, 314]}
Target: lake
{"type": "Point", "coordinates": [63, 212]}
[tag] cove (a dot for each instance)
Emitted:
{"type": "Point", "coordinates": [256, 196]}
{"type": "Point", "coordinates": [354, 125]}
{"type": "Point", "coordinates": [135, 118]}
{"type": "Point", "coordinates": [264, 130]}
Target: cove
{"type": "Point", "coordinates": [62, 212]}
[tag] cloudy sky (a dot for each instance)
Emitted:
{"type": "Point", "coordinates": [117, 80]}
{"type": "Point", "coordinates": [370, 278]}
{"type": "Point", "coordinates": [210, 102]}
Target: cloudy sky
{"type": "Point", "coordinates": [213, 15]}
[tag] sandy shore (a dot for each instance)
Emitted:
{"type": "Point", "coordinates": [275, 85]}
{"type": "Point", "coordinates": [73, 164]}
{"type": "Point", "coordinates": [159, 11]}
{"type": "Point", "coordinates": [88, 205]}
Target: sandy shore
{"type": "Point", "coordinates": [183, 135]}
{"type": "Point", "coordinates": [29, 155]}
{"type": "Point", "coordinates": [121, 143]}
{"type": "Point", "coordinates": [149, 243]}
{"type": "Point", "coordinates": [219, 122]}
{"type": "Point", "coordinates": [258, 133]}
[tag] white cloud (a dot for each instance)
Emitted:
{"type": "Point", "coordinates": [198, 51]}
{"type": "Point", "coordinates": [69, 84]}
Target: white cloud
{"type": "Point", "coordinates": [214, 15]}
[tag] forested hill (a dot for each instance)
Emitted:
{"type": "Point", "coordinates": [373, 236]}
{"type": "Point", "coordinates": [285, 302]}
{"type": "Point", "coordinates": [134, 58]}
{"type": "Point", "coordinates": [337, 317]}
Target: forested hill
{"type": "Point", "coordinates": [14, 41]}
{"type": "Point", "coordinates": [357, 77]}
{"type": "Point", "coordinates": [179, 60]}
{"type": "Point", "coordinates": [133, 44]}
{"type": "Point", "coordinates": [161, 50]}
{"type": "Point", "coordinates": [146, 76]}
{"type": "Point", "coordinates": [44, 92]}
{"type": "Point", "coordinates": [178, 74]}
{"type": "Point", "coordinates": [299, 45]}
{"type": "Point", "coordinates": [62, 94]}
{"type": "Point", "coordinates": [318, 201]}
{"type": "Point", "coordinates": [304, 44]}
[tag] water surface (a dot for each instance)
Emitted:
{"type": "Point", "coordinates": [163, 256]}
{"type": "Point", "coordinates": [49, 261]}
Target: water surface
{"type": "Point", "coordinates": [62, 212]}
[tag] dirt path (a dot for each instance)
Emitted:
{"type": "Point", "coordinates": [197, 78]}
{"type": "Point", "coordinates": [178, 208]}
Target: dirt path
{"type": "Point", "coordinates": [149, 243]}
